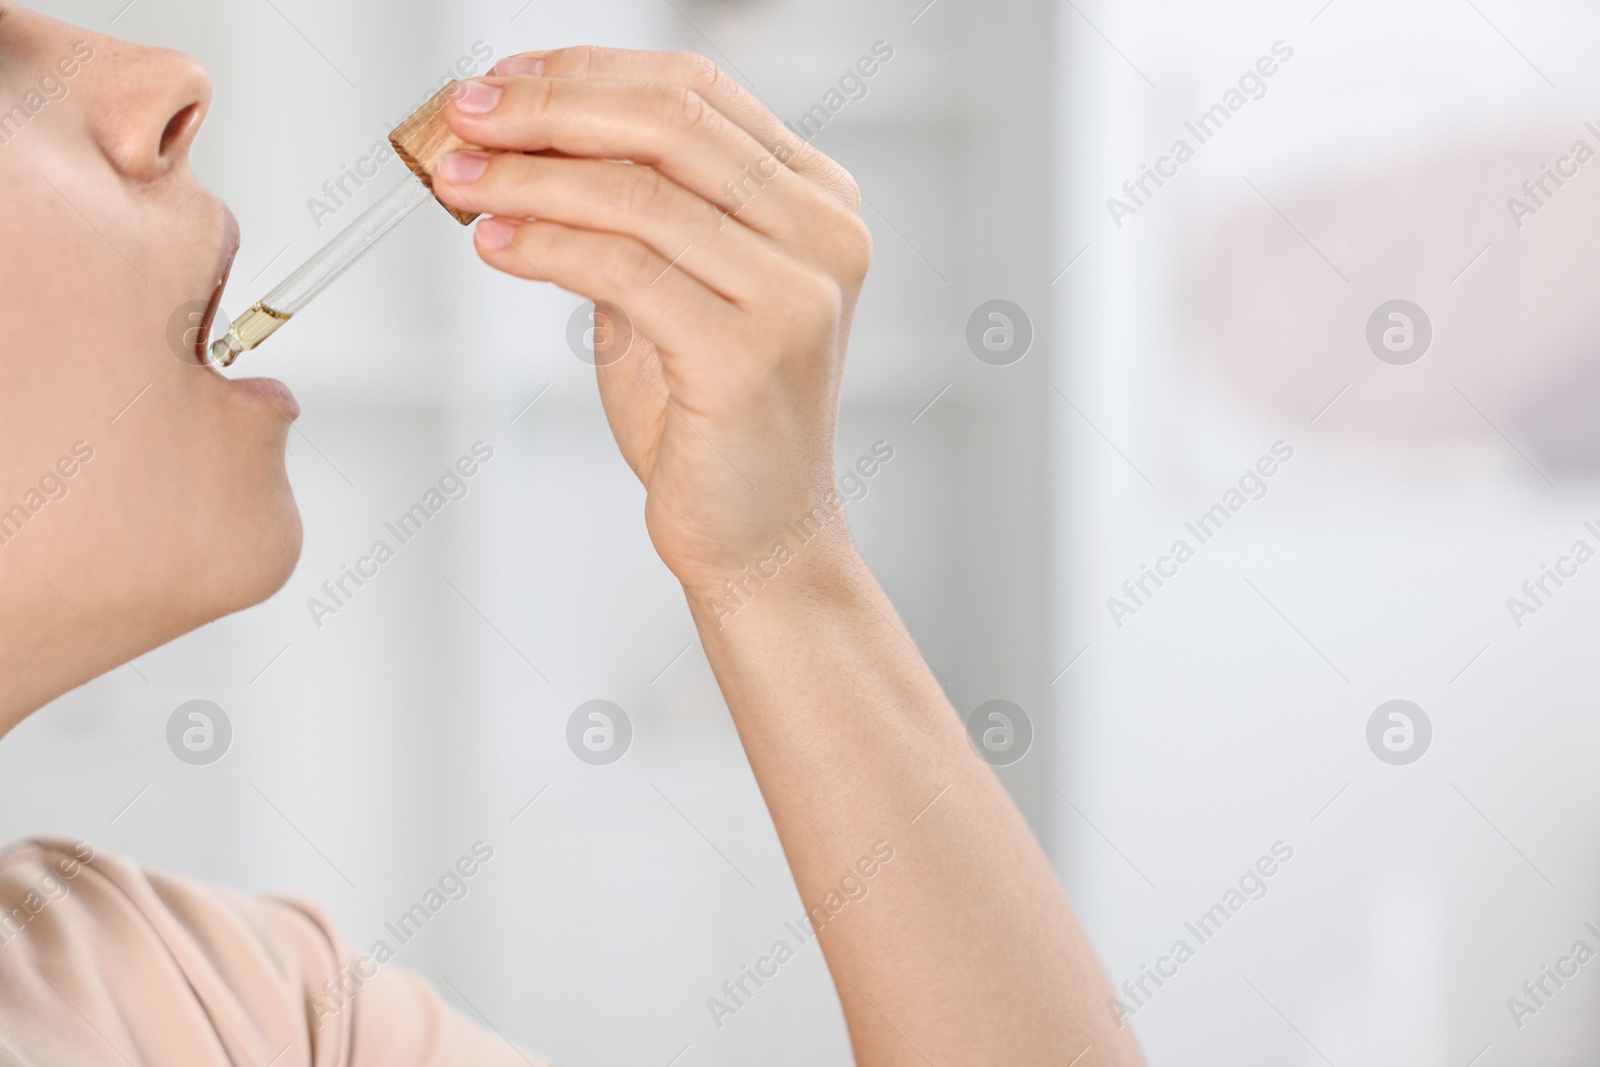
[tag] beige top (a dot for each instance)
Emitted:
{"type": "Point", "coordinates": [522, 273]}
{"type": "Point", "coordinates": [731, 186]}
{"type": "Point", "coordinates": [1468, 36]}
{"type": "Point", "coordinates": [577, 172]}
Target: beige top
{"type": "Point", "coordinates": [104, 963]}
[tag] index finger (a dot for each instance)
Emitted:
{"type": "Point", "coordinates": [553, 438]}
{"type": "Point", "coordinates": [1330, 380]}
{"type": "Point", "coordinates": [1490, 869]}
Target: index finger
{"type": "Point", "coordinates": [696, 72]}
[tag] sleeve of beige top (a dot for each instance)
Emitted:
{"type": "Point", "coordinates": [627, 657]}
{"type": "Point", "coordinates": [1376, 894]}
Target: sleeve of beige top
{"type": "Point", "coordinates": [104, 962]}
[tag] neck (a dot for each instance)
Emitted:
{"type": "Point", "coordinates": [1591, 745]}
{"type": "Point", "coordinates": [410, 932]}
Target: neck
{"type": "Point", "coordinates": [54, 636]}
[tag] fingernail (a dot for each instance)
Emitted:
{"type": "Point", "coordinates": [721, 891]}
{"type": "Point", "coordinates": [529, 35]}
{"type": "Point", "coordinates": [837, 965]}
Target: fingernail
{"type": "Point", "coordinates": [495, 234]}
{"type": "Point", "coordinates": [463, 168]}
{"type": "Point", "coordinates": [527, 65]}
{"type": "Point", "coordinates": [478, 98]}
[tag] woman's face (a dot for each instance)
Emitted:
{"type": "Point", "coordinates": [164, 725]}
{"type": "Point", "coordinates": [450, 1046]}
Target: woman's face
{"type": "Point", "coordinates": [142, 494]}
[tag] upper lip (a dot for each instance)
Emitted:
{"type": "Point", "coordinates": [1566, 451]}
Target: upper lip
{"type": "Point", "coordinates": [230, 249]}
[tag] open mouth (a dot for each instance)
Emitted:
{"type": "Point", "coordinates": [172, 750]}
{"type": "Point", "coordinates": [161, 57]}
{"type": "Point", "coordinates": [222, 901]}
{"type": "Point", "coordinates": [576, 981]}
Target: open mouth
{"type": "Point", "coordinates": [230, 249]}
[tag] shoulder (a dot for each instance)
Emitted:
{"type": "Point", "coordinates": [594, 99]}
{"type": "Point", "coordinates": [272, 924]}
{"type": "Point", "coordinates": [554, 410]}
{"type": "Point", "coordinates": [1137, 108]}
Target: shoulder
{"type": "Point", "coordinates": [71, 889]}
{"type": "Point", "coordinates": [102, 960]}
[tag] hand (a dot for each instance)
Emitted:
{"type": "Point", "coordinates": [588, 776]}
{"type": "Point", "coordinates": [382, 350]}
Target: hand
{"type": "Point", "coordinates": [738, 254]}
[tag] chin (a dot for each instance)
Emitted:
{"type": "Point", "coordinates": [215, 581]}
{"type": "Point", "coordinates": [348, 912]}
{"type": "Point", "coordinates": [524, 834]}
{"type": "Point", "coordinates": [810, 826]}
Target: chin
{"type": "Point", "coordinates": [240, 550]}
{"type": "Point", "coordinates": [247, 533]}
{"type": "Point", "coordinates": [258, 559]}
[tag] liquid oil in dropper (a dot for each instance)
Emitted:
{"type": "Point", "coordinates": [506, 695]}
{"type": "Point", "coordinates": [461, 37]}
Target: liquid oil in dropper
{"type": "Point", "coordinates": [248, 331]}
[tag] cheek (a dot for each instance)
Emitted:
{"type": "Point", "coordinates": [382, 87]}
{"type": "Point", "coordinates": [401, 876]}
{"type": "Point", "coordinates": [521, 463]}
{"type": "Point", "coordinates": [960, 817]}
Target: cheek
{"type": "Point", "coordinates": [185, 510]}
{"type": "Point", "coordinates": [82, 305]}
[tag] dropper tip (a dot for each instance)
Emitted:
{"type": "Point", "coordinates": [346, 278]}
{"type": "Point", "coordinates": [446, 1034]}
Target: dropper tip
{"type": "Point", "coordinates": [246, 333]}
{"type": "Point", "coordinates": [226, 350]}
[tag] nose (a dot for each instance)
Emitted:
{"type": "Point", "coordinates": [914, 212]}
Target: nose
{"type": "Point", "coordinates": [144, 105]}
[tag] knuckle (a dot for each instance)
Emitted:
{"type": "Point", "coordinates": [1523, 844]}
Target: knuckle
{"type": "Point", "coordinates": [585, 56]}
{"type": "Point", "coordinates": [855, 245]}
{"type": "Point", "coordinates": [700, 73]}
{"type": "Point", "coordinates": [846, 188]}
{"type": "Point", "coordinates": [834, 179]}
{"type": "Point", "coordinates": [539, 95]}
{"type": "Point", "coordinates": [626, 264]}
{"type": "Point", "coordinates": [641, 189]}
{"type": "Point", "coordinates": [686, 109]}
{"type": "Point", "coordinates": [574, 60]}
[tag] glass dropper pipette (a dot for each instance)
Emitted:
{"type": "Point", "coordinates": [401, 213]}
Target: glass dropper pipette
{"type": "Point", "coordinates": [303, 286]}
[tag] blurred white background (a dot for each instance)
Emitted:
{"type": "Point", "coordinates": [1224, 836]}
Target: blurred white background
{"type": "Point", "coordinates": [1229, 714]}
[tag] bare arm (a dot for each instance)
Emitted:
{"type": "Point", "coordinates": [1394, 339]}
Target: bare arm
{"type": "Point", "coordinates": [737, 252]}
{"type": "Point", "coordinates": [964, 950]}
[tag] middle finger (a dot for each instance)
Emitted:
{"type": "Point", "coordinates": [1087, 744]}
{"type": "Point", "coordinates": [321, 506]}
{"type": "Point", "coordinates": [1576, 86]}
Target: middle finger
{"type": "Point", "coordinates": [668, 127]}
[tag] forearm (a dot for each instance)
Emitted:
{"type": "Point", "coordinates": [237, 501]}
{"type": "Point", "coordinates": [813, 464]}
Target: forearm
{"type": "Point", "coordinates": [964, 948]}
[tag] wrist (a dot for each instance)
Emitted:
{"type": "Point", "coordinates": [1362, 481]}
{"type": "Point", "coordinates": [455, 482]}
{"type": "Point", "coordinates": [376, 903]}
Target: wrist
{"type": "Point", "coordinates": [803, 566]}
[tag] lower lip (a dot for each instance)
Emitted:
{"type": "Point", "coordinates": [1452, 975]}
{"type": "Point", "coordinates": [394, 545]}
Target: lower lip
{"type": "Point", "coordinates": [269, 391]}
